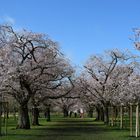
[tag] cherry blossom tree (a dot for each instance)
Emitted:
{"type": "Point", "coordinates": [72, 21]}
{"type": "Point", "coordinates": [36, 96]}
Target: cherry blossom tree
{"type": "Point", "coordinates": [33, 65]}
{"type": "Point", "coordinates": [101, 70]}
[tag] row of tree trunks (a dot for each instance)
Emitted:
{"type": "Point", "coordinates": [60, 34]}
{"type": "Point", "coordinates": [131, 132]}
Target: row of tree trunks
{"type": "Point", "coordinates": [114, 118]}
{"type": "Point", "coordinates": [100, 114]}
{"type": "Point", "coordinates": [103, 114]}
{"type": "Point", "coordinates": [23, 117]}
{"type": "Point", "coordinates": [132, 108]}
{"type": "Point", "coordinates": [110, 114]}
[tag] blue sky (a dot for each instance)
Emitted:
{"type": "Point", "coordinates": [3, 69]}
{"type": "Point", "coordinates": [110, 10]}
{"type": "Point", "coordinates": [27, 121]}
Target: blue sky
{"type": "Point", "coordinates": [82, 27]}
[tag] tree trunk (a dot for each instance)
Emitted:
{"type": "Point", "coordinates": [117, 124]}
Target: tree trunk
{"type": "Point", "coordinates": [98, 114]}
{"type": "Point", "coordinates": [35, 113]}
{"type": "Point", "coordinates": [65, 112]}
{"type": "Point", "coordinates": [106, 115]}
{"type": "Point", "coordinates": [23, 117]}
{"type": "Point", "coordinates": [112, 116]}
{"type": "Point", "coordinates": [102, 114]}
{"type": "Point", "coordinates": [131, 119]}
{"type": "Point", "coordinates": [115, 115]}
{"type": "Point", "coordinates": [137, 120]}
{"type": "Point", "coordinates": [121, 117]}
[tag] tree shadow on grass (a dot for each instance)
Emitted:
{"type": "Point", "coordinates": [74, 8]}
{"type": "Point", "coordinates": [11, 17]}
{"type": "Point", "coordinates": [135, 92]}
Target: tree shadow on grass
{"type": "Point", "coordinates": [69, 128]}
{"type": "Point", "coordinates": [73, 127]}
{"type": "Point", "coordinates": [43, 135]}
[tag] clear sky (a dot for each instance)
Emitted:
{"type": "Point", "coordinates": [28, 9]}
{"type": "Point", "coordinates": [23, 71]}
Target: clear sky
{"type": "Point", "coordinates": [82, 27]}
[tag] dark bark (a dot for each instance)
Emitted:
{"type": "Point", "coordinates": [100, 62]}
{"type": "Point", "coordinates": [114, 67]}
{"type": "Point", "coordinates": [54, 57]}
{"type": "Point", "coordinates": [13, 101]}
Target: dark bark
{"type": "Point", "coordinates": [70, 115]}
{"type": "Point", "coordinates": [100, 114]}
{"type": "Point", "coordinates": [65, 112]}
{"type": "Point", "coordinates": [35, 114]}
{"type": "Point", "coordinates": [23, 118]}
{"type": "Point", "coordinates": [97, 114]}
{"type": "Point", "coordinates": [116, 112]}
{"type": "Point", "coordinates": [106, 115]}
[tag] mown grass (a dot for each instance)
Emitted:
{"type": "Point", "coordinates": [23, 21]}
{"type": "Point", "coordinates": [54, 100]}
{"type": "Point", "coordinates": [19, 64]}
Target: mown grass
{"type": "Point", "coordinates": [67, 129]}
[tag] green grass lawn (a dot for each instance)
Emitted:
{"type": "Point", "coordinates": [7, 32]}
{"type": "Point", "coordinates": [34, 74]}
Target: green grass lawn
{"type": "Point", "coordinates": [67, 129]}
